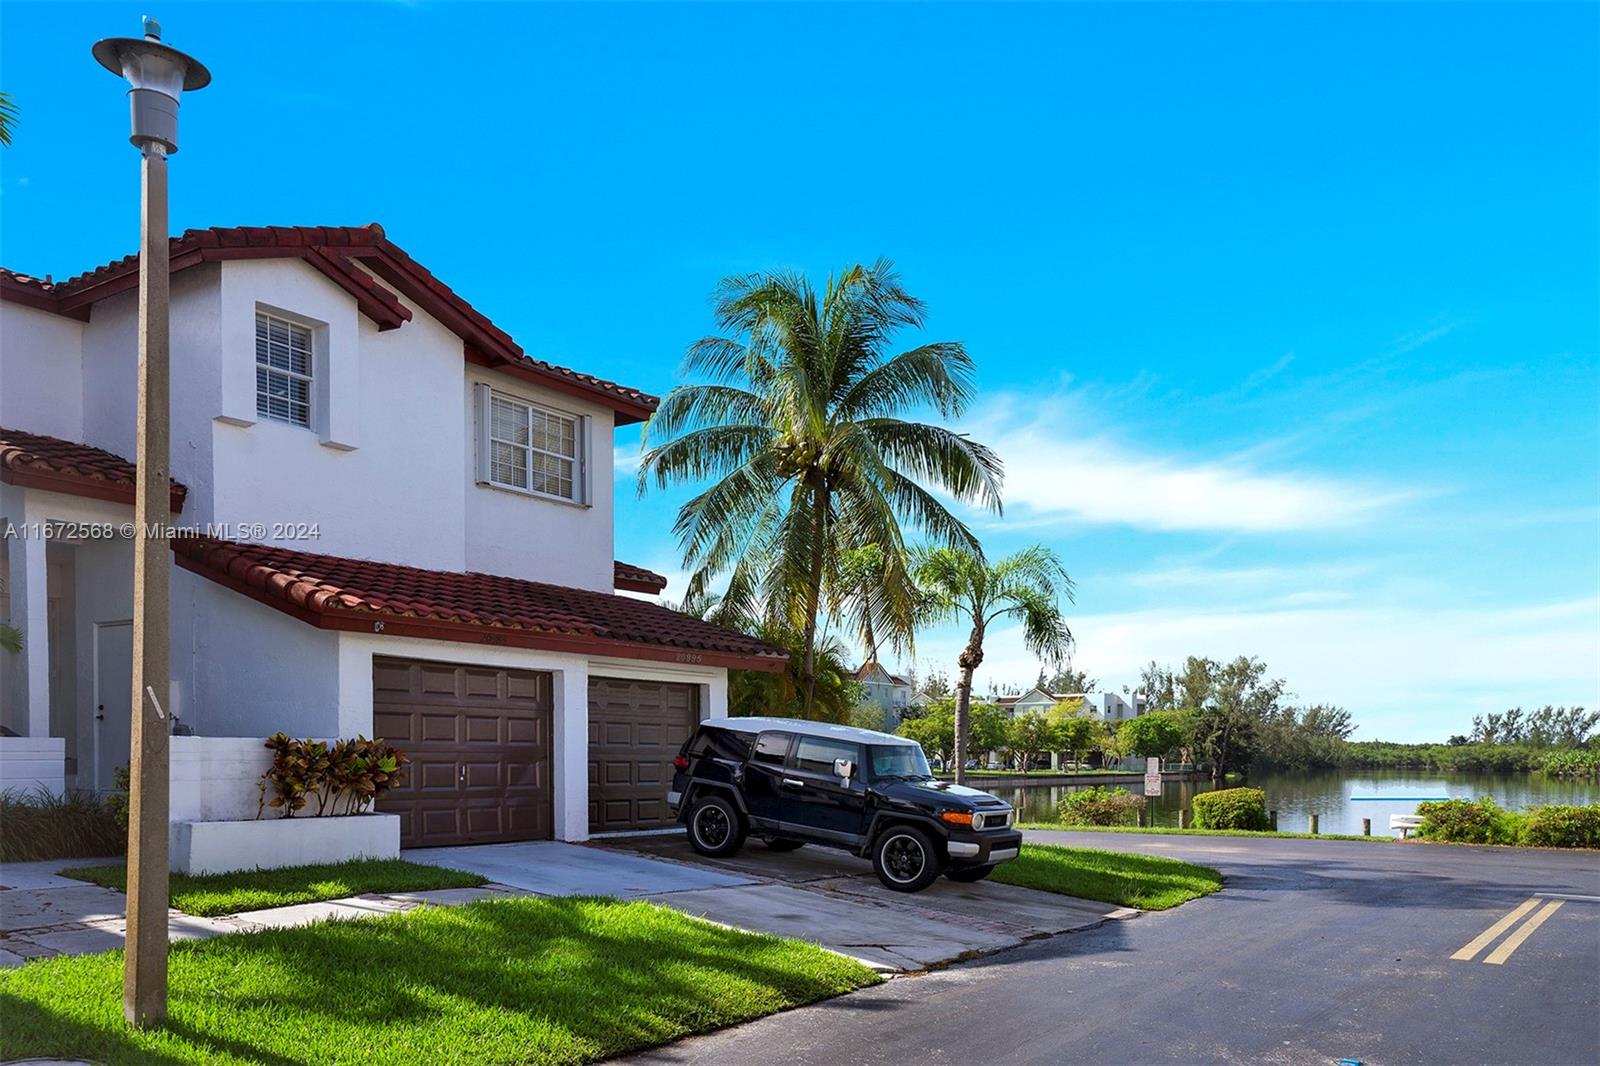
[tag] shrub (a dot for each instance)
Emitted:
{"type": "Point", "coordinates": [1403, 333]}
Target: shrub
{"type": "Point", "coordinates": [1562, 826]}
{"type": "Point", "coordinates": [1462, 821]}
{"type": "Point", "coordinates": [1231, 808]}
{"type": "Point", "coordinates": [39, 825]}
{"type": "Point", "coordinates": [1100, 806]}
{"type": "Point", "coordinates": [117, 799]}
{"type": "Point", "coordinates": [344, 778]}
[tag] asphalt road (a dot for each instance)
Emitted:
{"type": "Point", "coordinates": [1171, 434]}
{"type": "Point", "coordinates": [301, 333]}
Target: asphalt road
{"type": "Point", "coordinates": [1315, 951]}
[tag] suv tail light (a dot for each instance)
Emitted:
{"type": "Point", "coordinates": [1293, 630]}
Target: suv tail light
{"type": "Point", "coordinates": [681, 762]}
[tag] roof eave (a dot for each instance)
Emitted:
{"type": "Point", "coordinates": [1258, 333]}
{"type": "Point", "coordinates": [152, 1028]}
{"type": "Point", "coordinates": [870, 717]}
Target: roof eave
{"type": "Point", "coordinates": [352, 621]}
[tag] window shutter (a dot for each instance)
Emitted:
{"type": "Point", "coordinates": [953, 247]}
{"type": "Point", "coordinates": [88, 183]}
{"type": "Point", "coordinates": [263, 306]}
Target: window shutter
{"type": "Point", "coordinates": [480, 407]}
{"type": "Point", "coordinates": [581, 489]}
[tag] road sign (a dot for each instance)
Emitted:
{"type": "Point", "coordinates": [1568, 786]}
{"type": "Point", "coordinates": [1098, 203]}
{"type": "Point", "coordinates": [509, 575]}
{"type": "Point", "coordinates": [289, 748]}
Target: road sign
{"type": "Point", "coordinates": [1152, 776]}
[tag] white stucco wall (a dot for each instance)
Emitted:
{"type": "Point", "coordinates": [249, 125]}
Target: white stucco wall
{"type": "Point", "coordinates": [41, 367]}
{"type": "Point", "coordinates": [250, 670]}
{"type": "Point", "coordinates": [384, 484]}
{"type": "Point", "coordinates": [110, 378]}
{"type": "Point", "coordinates": [518, 535]}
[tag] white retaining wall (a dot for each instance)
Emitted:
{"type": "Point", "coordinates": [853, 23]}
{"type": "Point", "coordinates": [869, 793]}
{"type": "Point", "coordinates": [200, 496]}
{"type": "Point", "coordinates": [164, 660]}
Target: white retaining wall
{"type": "Point", "coordinates": [270, 843]}
{"type": "Point", "coordinates": [28, 764]}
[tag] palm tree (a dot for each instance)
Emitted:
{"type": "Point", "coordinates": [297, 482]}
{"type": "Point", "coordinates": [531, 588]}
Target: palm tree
{"type": "Point", "coordinates": [854, 597]}
{"type": "Point", "coordinates": [8, 117]}
{"type": "Point", "coordinates": [959, 585]}
{"type": "Point", "coordinates": [800, 425]}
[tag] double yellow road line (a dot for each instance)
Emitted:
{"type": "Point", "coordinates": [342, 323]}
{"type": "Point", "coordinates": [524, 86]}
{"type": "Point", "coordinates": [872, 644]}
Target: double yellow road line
{"type": "Point", "coordinates": [1511, 943]}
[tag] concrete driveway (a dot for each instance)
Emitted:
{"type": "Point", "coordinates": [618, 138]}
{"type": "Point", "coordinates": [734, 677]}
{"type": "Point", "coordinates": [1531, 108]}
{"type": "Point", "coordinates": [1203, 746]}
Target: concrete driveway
{"type": "Point", "coordinates": [834, 899]}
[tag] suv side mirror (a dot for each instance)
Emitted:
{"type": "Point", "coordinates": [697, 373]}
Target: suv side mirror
{"type": "Point", "coordinates": [844, 769]}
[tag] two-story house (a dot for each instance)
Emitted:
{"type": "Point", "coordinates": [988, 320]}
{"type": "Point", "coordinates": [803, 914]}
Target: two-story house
{"type": "Point", "coordinates": [891, 692]}
{"type": "Point", "coordinates": [1103, 706]}
{"type": "Point", "coordinates": [405, 530]}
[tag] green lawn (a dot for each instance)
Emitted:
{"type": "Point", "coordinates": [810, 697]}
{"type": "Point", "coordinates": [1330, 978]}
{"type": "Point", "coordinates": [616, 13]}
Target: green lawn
{"type": "Point", "coordinates": [1166, 831]}
{"type": "Point", "coordinates": [213, 894]}
{"type": "Point", "coordinates": [1148, 882]}
{"type": "Point", "coordinates": [522, 980]}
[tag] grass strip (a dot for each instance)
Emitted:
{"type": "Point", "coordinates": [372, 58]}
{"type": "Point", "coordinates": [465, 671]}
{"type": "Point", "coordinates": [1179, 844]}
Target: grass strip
{"type": "Point", "coordinates": [209, 895]}
{"type": "Point", "coordinates": [1149, 882]}
{"type": "Point", "coordinates": [1159, 830]}
{"type": "Point", "coordinates": [524, 980]}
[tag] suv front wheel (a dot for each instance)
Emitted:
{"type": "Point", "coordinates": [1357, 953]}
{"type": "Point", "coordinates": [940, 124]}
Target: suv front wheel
{"type": "Point", "coordinates": [715, 829]}
{"type": "Point", "coordinates": [905, 859]}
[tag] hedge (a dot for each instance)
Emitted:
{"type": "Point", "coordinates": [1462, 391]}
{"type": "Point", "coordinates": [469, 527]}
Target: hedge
{"type": "Point", "coordinates": [1481, 821]}
{"type": "Point", "coordinates": [1231, 808]}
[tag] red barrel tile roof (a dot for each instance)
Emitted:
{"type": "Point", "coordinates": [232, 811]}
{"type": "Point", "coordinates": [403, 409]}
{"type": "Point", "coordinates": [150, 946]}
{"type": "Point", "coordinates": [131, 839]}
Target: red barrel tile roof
{"type": "Point", "coordinates": [334, 250]}
{"type": "Point", "coordinates": [34, 460]}
{"type": "Point", "coordinates": [359, 595]}
{"type": "Point", "coordinates": [636, 578]}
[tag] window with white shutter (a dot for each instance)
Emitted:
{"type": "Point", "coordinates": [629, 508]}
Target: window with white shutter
{"type": "Point", "coordinates": [283, 370]}
{"type": "Point", "coordinates": [529, 448]}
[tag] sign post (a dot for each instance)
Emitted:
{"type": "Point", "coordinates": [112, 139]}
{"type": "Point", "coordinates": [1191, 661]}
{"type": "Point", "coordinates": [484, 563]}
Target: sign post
{"type": "Point", "coordinates": [1152, 775]}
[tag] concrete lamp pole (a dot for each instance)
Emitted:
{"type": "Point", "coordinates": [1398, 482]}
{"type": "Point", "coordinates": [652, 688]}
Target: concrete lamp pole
{"type": "Point", "coordinates": [158, 75]}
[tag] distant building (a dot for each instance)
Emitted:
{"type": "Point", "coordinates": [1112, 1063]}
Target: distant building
{"type": "Point", "coordinates": [888, 691]}
{"type": "Point", "coordinates": [1105, 706]}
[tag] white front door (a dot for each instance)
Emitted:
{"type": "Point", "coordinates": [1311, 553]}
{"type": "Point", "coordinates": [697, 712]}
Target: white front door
{"type": "Point", "coordinates": [113, 685]}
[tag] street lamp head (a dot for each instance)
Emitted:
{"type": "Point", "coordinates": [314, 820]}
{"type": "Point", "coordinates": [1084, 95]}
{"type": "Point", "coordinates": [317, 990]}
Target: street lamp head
{"type": "Point", "coordinates": [158, 75]}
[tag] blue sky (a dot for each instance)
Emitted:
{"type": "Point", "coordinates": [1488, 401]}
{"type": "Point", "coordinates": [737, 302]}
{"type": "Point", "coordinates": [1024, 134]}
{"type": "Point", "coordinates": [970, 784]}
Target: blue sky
{"type": "Point", "coordinates": [1285, 315]}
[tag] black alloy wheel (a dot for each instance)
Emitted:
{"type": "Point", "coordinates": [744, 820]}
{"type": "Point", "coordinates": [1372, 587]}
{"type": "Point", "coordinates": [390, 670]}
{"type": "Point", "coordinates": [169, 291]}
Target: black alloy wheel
{"type": "Point", "coordinates": [905, 859]}
{"type": "Point", "coordinates": [715, 829]}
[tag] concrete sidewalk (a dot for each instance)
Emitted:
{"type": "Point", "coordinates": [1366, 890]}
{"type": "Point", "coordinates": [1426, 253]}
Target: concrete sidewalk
{"type": "Point", "coordinates": [43, 914]}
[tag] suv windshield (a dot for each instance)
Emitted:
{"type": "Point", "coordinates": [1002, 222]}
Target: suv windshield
{"type": "Point", "coordinates": [898, 760]}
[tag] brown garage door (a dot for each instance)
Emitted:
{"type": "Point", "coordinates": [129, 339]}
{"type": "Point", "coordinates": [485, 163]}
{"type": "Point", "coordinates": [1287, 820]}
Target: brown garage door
{"type": "Point", "coordinates": [479, 742]}
{"type": "Point", "coordinates": [635, 728]}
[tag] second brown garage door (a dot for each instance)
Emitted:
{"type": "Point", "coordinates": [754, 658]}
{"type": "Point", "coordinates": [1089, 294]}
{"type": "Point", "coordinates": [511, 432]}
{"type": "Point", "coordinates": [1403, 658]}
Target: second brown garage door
{"type": "Point", "coordinates": [479, 743]}
{"type": "Point", "coordinates": [635, 729]}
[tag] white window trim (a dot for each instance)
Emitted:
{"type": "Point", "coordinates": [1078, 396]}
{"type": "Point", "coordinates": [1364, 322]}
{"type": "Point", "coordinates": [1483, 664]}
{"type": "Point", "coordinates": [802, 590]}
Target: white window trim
{"type": "Point", "coordinates": [483, 396]}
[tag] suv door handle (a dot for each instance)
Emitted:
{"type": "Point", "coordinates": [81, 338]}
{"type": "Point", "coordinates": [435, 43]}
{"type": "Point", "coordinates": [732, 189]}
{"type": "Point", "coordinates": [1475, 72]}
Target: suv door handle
{"type": "Point", "coordinates": [794, 783]}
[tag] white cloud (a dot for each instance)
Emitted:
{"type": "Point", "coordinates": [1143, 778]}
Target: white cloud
{"type": "Point", "coordinates": [1248, 576]}
{"type": "Point", "coordinates": [1404, 673]}
{"type": "Point", "coordinates": [626, 459]}
{"type": "Point", "coordinates": [1064, 468]}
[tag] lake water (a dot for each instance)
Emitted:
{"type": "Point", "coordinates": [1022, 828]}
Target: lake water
{"type": "Point", "coordinates": [1341, 798]}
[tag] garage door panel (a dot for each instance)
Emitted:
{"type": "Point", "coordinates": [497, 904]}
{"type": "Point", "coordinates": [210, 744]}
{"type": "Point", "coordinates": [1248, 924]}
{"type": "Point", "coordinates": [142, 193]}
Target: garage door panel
{"type": "Point", "coordinates": [635, 729]}
{"type": "Point", "coordinates": [434, 726]}
{"type": "Point", "coordinates": [435, 775]}
{"type": "Point", "coordinates": [481, 729]}
{"type": "Point", "coordinates": [479, 769]}
{"type": "Point", "coordinates": [393, 726]}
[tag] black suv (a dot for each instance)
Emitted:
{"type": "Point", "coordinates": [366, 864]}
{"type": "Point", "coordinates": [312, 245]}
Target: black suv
{"type": "Point", "coordinates": [793, 783]}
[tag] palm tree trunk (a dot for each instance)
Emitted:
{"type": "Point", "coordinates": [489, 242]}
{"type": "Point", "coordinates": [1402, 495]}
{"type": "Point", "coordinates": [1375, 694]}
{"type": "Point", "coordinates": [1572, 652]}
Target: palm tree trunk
{"type": "Point", "coordinates": [971, 658]}
{"type": "Point", "coordinates": [808, 674]}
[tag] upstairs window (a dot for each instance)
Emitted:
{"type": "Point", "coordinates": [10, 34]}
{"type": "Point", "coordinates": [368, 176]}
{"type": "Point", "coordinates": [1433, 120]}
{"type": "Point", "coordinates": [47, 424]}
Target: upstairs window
{"type": "Point", "coordinates": [283, 370]}
{"type": "Point", "coordinates": [530, 448]}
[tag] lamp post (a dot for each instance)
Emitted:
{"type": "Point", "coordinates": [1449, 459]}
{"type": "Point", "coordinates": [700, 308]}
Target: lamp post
{"type": "Point", "coordinates": [158, 75]}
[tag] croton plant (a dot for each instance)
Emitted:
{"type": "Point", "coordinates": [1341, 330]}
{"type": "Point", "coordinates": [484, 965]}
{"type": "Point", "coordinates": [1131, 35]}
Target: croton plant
{"type": "Point", "coordinates": [344, 777]}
